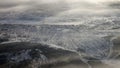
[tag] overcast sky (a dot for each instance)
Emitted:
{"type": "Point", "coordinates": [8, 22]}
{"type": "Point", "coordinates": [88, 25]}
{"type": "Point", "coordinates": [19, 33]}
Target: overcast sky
{"type": "Point", "coordinates": [42, 9]}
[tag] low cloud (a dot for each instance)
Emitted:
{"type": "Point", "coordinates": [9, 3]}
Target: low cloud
{"type": "Point", "coordinates": [114, 5]}
{"type": "Point", "coordinates": [29, 9]}
{"type": "Point", "coordinates": [42, 10]}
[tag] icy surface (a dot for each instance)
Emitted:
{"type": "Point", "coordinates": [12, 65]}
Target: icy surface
{"type": "Point", "coordinates": [92, 37]}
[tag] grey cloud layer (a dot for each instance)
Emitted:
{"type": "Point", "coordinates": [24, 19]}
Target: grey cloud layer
{"type": "Point", "coordinates": [115, 5]}
{"type": "Point", "coordinates": [38, 10]}
{"type": "Point", "coordinates": [29, 9]}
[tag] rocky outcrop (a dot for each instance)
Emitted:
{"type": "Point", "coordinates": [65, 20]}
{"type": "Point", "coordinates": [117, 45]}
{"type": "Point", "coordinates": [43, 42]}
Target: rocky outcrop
{"type": "Point", "coordinates": [33, 55]}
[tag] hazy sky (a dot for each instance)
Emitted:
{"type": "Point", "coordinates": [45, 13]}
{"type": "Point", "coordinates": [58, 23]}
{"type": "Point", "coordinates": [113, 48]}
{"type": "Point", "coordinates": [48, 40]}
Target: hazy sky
{"type": "Point", "coordinates": [42, 9]}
